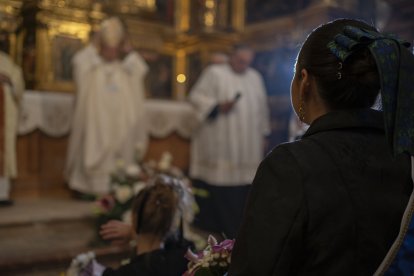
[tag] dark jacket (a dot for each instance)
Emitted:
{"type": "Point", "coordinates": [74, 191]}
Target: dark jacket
{"type": "Point", "coordinates": [163, 262]}
{"type": "Point", "coordinates": [156, 263]}
{"type": "Point", "coordinates": [328, 204]}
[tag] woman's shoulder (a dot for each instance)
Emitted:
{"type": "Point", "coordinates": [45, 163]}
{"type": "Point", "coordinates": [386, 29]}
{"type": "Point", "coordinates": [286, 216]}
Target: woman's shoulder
{"type": "Point", "coordinates": [158, 262]}
{"type": "Point", "coordinates": [301, 155]}
{"type": "Point", "coordinates": [295, 150]}
{"type": "Point", "coordinates": [279, 161]}
{"type": "Point", "coordinates": [168, 261]}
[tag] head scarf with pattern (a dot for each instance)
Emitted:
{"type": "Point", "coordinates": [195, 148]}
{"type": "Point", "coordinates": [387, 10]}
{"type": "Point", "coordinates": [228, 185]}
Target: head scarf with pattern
{"type": "Point", "coordinates": [396, 70]}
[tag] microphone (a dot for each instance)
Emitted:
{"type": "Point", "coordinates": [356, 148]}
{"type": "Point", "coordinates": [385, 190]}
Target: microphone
{"type": "Point", "coordinates": [215, 111]}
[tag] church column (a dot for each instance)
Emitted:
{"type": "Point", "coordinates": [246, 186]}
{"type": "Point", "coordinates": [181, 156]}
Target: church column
{"type": "Point", "coordinates": [182, 16]}
{"type": "Point", "coordinates": [180, 78]}
{"type": "Point", "coordinates": [9, 23]}
{"type": "Point", "coordinates": [2, 134]}
{"type": "Point", "coordinates": [239, 14]}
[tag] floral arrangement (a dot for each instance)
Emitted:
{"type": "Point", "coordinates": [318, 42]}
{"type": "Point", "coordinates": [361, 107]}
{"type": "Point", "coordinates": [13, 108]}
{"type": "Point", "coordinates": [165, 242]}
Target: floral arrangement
{"type": "Point", "coordinates": [213, 260]}
{"type": "Point", "coordinates": [126, 182]}
{"type": "Point", "coordinates": [84, 265]}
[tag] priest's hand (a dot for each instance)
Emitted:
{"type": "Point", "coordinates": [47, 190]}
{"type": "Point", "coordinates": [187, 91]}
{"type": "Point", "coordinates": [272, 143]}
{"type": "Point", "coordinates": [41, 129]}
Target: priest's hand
{"type": "Point", "coordinates": [118, 232]}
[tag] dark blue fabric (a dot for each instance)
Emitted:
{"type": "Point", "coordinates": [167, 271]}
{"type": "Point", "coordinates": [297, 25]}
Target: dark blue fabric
{"type": "Point", "coordinates": [221, 209]}
{"type": "Point", "coordinates": [403, 263]}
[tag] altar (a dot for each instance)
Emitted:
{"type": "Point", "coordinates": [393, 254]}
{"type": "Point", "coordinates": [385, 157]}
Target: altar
{"type": "Point", "coordinates": [44, 127]}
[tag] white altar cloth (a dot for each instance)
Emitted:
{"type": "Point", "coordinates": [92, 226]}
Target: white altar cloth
{"type": "Point", "coordinates": [51, 113]}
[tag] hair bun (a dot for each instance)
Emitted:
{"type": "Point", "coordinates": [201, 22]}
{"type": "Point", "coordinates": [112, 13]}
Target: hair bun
{"type": "Point", "coordinates": [358, 84]}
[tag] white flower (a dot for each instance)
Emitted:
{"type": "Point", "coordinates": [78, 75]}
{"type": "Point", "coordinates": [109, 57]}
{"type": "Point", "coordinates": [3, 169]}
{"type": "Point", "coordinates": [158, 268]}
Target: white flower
{"type": "Point", "coordinates": [138, 186]}
{"type": "Point", "coordinates": [127, 217]}
{"type": "Point", "coordinates": [125, 261]}
{"type": "Point", "coordinates": [123, 193]}
{"type": "Point", "coordinates": [133, 170]}
{"type": "Point", "coordinates": [165, 162]}
{"type": "Point", "coordinates": [163, 166]}
{"type": "Point", "coordinates": [80, 262]}
{"type": "Point", "coordinates": [84, 258]}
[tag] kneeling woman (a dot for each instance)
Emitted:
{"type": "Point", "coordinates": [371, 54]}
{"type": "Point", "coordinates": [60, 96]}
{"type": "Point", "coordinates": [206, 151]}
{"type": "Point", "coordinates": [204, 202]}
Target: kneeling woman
{"type": "Point", "coordinates": [157, 212]}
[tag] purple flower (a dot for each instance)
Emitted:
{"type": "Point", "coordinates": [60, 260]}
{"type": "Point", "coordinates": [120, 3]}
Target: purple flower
{"type": "Point", "coordinates": [214, 256]}
{"type": "Point", "coordinates": [226, 245]}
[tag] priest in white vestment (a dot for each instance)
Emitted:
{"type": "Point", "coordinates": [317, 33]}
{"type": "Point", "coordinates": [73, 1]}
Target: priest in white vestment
{"type": "Point", "coordinates": [109, 119]}
{"type": "Point", "coordinates": [231, 104]}
{"type": "Point", "coordinates": [12, 87]}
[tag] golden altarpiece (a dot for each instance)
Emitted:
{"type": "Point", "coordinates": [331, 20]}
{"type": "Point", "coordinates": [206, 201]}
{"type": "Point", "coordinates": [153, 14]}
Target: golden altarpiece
{"type": "Point", "coordinates": [175, 37]}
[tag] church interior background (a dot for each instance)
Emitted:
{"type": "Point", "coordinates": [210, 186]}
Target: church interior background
{"type": "Point", "coordinates": [176, 38]}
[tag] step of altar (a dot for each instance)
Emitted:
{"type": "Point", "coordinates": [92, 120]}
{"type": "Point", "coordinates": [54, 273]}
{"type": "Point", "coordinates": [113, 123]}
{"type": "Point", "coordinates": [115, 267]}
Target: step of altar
{"type": "Point", "coordinates": [42, 236]}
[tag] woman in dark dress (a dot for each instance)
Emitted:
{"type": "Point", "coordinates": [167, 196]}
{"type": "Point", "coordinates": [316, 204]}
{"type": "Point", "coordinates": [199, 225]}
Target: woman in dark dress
{"type": "Point", "coordinates": [332, 202]}
{"type": "Point", "coordinates": [156, 214]}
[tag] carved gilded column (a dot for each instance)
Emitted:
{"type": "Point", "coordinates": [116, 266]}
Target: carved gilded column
{"type": "Point", "coordinates": [182, 16]}
{"type": "Point", "coordinates": [239, 14]}
{"type": "Point", "coordinates": [10, 21]}
{"type": "Point", "coordinates": [179, 77]}
{"type": "Point", "coordinates": [209, 15]}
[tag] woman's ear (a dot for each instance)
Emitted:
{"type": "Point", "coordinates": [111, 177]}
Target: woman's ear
{"type": "Point", "coordinates": [304, 86]}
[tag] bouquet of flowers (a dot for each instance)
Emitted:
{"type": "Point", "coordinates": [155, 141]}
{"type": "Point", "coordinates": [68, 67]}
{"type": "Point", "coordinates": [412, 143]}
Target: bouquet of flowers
{"type": "Point", "coordinates": [126, 182]}
{"type": "Point", "coordinates": [214, 260]}
{"type": "Point", "coordinates": [84, 265]}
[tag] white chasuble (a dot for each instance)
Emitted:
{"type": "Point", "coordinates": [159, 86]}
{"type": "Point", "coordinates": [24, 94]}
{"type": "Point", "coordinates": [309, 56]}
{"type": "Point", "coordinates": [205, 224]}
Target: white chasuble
{"type": "Point", "coordinates": [227, 150]}
{"type": "Point", "coordinates": [108, 122]}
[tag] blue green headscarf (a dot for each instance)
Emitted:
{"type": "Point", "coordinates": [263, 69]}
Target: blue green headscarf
{"type": "Point", "coordinates": [396, 70]}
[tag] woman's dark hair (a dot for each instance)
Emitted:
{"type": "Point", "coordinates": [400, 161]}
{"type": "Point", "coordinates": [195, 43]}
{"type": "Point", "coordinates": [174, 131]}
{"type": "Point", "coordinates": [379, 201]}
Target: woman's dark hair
{"type": "Point", "coordinates": [155, 207]}
{"type": "Point", "coordinates": [358, 84]}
